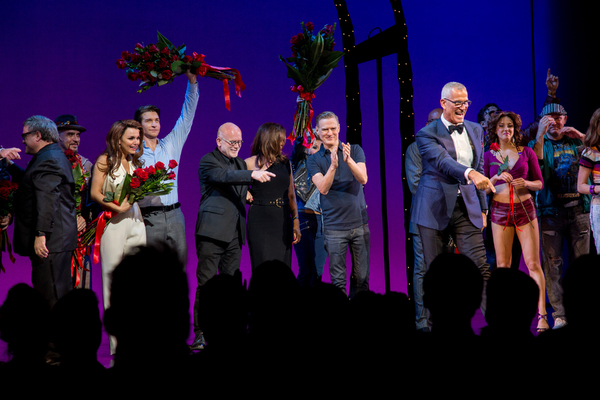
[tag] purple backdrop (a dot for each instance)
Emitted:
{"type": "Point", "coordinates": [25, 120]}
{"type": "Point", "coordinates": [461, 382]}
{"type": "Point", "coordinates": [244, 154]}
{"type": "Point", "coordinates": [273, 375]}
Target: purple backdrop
{"type": "Point", "coordinates": [60, 58]}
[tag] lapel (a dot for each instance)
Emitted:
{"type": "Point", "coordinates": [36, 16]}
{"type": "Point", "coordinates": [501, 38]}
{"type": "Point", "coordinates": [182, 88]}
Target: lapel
{"type": "Point", "coordinates": [445, 138]}
{"type": "Point", "coordinates": [472, 141]}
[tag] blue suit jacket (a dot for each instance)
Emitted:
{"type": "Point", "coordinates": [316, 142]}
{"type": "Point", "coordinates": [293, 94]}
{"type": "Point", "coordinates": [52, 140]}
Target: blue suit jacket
{"type": "Point", "coordinates": [443, 176]}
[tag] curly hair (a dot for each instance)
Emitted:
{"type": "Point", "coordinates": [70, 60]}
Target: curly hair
{"type": "Point", "coordinates": [113, 151]}
{"type": "Point", "coordinates": [492, 136]}
{"type": "Point", "coordinates": [267, 144]}
{"type": "Point", "coordinates": [592, 135]}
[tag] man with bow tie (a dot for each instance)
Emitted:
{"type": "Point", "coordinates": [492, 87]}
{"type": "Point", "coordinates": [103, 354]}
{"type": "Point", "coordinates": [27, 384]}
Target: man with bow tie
{"type": "Point", "coordinates": [451, 195]}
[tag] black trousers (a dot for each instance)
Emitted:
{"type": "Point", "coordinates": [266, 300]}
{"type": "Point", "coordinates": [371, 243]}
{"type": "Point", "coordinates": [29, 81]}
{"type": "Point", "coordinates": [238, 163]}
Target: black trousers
{"type": "Point", "coordinates": [214, 256]}
{"type": "Point", "coordinates": [468, 239]}
{"type": "Point", "coordinates": [52, 275]}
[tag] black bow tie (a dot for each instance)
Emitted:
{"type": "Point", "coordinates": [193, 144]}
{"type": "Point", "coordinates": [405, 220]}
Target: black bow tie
{"type": "Point", "coordinates": [459, 128]}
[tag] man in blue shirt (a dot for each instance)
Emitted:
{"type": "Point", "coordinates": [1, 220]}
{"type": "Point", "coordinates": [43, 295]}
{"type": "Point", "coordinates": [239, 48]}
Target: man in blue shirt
{"type": "Point", "coordinates": [339, 172]}
{"type": "Point", "coordinates": [162, 214]}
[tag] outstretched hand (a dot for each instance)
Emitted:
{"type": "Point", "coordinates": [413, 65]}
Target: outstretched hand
{"type": "Point", "coordinates": [262, 176]}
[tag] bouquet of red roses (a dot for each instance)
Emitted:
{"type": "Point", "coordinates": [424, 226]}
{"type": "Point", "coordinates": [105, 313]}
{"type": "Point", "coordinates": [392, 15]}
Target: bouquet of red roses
{"type": "Point", "coordinates": [310, 65]}
{"type": "Point", "coordinates": [81, 178]}
{"type": "Point", "coordinates": [159, 64]}
{"type": "Point", "coordinates": [7, 192]}
{"type": "Point", "coordinates": [149, 181]}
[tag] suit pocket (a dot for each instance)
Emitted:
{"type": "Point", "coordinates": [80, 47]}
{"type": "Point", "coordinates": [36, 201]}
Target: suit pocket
{"type": "Point", "coordinates": [214, 210]}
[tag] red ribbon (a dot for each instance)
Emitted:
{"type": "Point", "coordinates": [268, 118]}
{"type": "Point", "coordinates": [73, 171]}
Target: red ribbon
{"type": "Point", "coordinates": [103, 218]}
{"type": "Point", "coordinates": [511, 208]}
{"type": "Point", "coordinates": [304, 96]}
{"type": "Point", "coordinates": [77, 259]}
{"type": "Point", "coordinates": [5, 241]}
{"type": "Point", "coordinates": [238, 83]}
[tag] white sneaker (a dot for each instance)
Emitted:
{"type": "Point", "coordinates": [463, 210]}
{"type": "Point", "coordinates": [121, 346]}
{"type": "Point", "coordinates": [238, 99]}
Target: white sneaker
{"type": "Point", "coordinates": [559, 323]}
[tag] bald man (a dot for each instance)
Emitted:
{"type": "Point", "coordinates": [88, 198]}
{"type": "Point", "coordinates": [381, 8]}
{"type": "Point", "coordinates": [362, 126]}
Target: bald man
{"type": "Point", "coordinates": [221, 225]}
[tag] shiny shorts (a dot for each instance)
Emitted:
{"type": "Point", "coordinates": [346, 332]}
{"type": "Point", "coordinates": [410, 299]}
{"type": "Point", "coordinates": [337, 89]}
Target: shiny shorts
{"type": "Point", "coordinates": [500, 213]}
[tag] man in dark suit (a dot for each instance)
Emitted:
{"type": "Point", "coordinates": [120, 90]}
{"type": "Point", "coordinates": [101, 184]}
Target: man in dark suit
{"type": "Point", "coordinates": [450, 198]}
{"type": "Point", "coordinates": [221, 225]}
{"type": "Point", "coordinates": [45, 219]}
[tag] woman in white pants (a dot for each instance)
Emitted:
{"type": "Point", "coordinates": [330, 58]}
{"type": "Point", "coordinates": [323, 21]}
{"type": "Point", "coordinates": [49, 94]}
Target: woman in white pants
{"type": "Point", "coordinates": [126, 229]}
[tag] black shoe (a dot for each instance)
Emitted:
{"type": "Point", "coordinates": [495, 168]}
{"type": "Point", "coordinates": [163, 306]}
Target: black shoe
{"type": "Point", "coordinates": [199, 342]}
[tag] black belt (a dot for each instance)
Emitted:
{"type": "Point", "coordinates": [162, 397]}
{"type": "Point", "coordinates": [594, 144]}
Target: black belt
{"type": "Point", "coordinates": [280, 202]}
{"type": "Point", "coordinates": [148, 210]}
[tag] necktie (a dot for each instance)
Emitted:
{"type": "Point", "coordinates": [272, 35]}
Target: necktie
{"type": "Point", "coordinates": [459, 128]}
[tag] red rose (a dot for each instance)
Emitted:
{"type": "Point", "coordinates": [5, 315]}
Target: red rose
{"type": "Point", "coordinates": [494, 147]}
{"type": "Point", "coordinates": [152, 48]}
{"type": "Point", "coordinates": [167, 74]}
{"type": "Point", "coordinates": [121, 63]}
{"type": "Point", "coordinates": [172, 164]}
{"type": "Point", "coordinates": [145, 76]}
{"type": "Point", "coordinates": [5, 183]}
{"type": "Point", "coordinates": [163, 63]}
{"type": "Point", "coordinates": [135, 57]}
{"type": "Point", "coordinates": [150, 170]}
{"type": "Point", "coordinates": [310, 26]}
{"type": "Point", "coordinates": [146, 56]}
{"type": "Point", "coordinates": [138, 46]}
{"type": "Point", "coordinates": [187, 59]}
{"type": "Point", "coordinates": [134, 183]}
{"type": "Point", "coordinates": [141, 174]}
{"type": "Point", "coordinates": [165, 50]}
{"type": "Point", "coordinates": [159, 166]}
{"type": "Point", "coordinates": [14, 186]}
{"type": "Point", "coordinates": [133, 76]}
{"type": "Point", "coordinates": [126, 56]}
{"type": "Point", "coordinates": [171, 175]}
{"type": "Point", "coordinates": [297, 39]}
{"type": "Point", "coordinates": [4, 193]}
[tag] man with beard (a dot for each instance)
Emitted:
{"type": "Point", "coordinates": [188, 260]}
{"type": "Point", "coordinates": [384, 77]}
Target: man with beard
{"type": "Point", "coordinates": [69, 138]}
{"type": "Point", "coordinates": [564, 213]}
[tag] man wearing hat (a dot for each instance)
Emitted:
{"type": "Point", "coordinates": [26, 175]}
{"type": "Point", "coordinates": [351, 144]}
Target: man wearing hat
{"type": "Point", "coordinates": [69, 132]}
{"type": "Point", "coordinates": [563, 212]}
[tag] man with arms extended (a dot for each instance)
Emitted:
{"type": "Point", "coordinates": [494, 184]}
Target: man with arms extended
{"type": "Point", "coordinates": [162, 214]}
{"type": "Point", "coordinates": [221, 224]}
{"type": "Point", "coordinates": [450, 198]}
{"type": "Point", "coordinates": [45, 219]}
{"type": "Point", "coordinates": [69, 138]}
{"type": "Point", "coordinates": [339, 172]}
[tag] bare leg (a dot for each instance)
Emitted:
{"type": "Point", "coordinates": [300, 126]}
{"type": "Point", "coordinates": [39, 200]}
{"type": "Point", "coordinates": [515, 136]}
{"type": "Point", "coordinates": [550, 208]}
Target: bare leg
{"type": "Point", "coordinates": [503, 241]}
{"type": "Point", "coordinates": [530, 243]}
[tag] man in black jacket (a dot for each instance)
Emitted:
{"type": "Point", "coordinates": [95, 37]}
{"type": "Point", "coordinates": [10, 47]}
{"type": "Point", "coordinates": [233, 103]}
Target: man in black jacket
{"type": "Point", "coordinates": [221, 224]}
{"type": "Point", "coordinates": [45, 219]}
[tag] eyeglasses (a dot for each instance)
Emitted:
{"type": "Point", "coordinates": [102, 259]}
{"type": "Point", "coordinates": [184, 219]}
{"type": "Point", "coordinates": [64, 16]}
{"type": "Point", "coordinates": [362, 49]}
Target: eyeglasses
{"type": "Point", "coordinates": [459, 104]}
{"type": "Point", "coordinates": [233, 142]}
{"type": "Point", "coordinates": [24, 135]}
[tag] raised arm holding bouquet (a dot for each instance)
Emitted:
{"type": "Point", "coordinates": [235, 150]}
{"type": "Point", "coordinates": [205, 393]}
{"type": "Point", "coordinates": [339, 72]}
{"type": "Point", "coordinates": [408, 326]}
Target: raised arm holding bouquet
{"type": "Point", "coordinates": [310, 65]}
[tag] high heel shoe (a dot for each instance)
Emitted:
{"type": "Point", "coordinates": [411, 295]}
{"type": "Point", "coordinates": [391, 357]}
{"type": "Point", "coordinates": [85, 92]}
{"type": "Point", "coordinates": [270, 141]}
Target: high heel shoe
{"type": "Point", "coordinates": [542, 328]}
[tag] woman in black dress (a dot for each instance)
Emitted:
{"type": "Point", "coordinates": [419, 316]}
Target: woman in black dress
{"type": "Point", "coordinates": [273, 224]}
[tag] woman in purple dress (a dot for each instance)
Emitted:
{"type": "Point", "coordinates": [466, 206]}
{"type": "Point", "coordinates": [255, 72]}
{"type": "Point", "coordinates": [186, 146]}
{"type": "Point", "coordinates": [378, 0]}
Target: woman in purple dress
{"type": "Point", "coordinates": [515, 172]}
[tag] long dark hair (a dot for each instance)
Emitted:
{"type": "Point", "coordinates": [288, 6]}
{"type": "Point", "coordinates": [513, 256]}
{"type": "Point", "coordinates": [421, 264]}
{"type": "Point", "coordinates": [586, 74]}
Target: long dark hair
{"type": "Point", "coordinates": [267, 144]}
{"type": "Point", "coordinates": [592, 136]}
{"type": "Point", "coordinates": [113, 149]}
{"type": "Point", "coordinates": [492, 136]}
